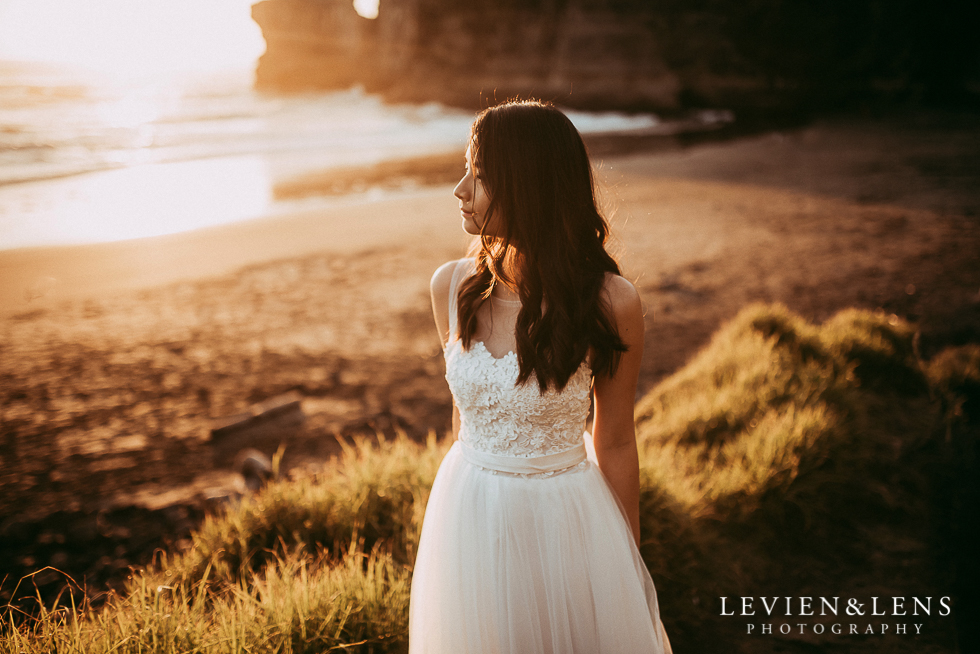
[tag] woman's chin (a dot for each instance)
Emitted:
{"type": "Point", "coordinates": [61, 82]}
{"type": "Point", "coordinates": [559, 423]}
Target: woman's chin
{"type": "Point", "coordinates": [470, 227]}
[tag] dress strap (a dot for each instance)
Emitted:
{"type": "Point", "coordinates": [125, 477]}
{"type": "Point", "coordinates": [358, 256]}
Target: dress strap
{"type": "Point", "coordinates": [463, 268]}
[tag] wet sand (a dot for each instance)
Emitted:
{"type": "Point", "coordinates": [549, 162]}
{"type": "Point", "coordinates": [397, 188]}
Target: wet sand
{"type": "Point", "coordinates": [43, 278]}
{"type": "Point", "coordinates": [113, 373]}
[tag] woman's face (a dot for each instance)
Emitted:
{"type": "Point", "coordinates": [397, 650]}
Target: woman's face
{"type": "Point", "coordinates": [473, 200]}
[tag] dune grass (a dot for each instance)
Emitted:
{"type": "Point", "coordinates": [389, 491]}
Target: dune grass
{"type": "Point", "coordinates": [773, 397]}
{"type": "Point", "coordinates": [785, 453]}
{"type": "Point", "coordinates": [294, 604]}
{"type": "Point", "coordinates": [315, 564]}
{"type": "Point", "coordinates": [805, 458]}
{"type": "Point", "coordinates": [375, 496]}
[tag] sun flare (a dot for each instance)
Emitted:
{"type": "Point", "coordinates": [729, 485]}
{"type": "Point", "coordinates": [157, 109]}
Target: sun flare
{"type": "Point", "coordinates": [132, 37]}
{"type": "Point", "coordinates": [367, 8]}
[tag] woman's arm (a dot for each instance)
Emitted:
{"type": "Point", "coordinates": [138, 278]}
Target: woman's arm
{"type": "Point", "coordinates": [439, 292]}
{"type": "Point", "coordinates": [613, 431]}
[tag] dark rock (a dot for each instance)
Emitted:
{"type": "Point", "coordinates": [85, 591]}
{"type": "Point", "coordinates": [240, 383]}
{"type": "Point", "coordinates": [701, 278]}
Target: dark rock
{"type": "Point", "coordinates": [285, 407]}
{"type": "Point", "coordinates": [256, 468]}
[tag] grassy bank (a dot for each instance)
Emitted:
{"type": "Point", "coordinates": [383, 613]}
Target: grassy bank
{"type": "Point", "coordinates": [806, 460]}
{"type": "Point", "coordinates": [785, 459]}
{"type": "Point", "coordinates": [307, 565]}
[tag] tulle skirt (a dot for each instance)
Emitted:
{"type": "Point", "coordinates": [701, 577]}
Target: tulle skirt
{"type": "Point", "coordinates": [512, 564]}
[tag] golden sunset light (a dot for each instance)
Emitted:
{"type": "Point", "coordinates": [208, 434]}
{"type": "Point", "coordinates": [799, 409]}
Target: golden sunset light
{"type": "Point", "coordinates": [128, 38]}
{"type": "Point", "coordinates": [511, 326]}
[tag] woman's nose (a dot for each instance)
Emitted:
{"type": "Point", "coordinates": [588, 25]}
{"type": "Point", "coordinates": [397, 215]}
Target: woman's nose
{"type": "Point", "coordinates": [462, 190]}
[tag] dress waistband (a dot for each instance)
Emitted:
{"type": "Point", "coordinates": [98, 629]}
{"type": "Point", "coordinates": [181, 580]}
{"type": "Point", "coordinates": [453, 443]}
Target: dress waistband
{"type": "Point", "coordinates": [524, 465]}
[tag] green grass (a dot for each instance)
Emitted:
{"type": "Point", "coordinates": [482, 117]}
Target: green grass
{"type": "Point", "coordinates": [785, 458]}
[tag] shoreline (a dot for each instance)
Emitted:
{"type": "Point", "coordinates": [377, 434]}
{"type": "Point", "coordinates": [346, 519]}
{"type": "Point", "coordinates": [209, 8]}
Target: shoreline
{"type": "Point", "coordinates": [81, 272]}
{"type": "Point", "coordinates": [36, 277]}
{"type": "Point", "coordinates": [406, 175]}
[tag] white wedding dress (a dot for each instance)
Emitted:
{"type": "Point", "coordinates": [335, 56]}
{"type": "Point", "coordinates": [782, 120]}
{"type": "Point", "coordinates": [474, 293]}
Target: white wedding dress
{"type": "Point", "coordinates": [524, 547]}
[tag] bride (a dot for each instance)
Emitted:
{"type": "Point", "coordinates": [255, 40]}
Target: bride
{"type": "Point", "coordinates": [530, 537]}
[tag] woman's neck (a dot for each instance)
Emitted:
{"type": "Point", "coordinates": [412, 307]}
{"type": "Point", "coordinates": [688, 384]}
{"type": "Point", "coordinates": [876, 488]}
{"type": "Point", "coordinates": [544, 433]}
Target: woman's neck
{"type": "Point", "coordinates": [504, 293]}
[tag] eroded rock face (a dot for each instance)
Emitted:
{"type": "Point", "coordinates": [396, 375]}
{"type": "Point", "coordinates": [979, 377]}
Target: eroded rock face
{"type": "Point", "coordinates": [462, 55]}
{"type": "Point", "coordinates": [314, 45]}
{"type": "Point", "coordinates": [629, 54]}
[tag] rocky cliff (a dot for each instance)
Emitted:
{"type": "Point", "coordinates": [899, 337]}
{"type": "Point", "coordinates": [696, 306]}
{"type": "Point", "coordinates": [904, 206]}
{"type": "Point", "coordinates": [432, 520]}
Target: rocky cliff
{"type": "Point", "coordinates": [627, 54]}
{"type": "Point", "coordinates": [413, 52]}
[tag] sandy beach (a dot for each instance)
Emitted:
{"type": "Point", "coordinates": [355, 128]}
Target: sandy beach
{"type": "Point", "coordinates": [117, 358]}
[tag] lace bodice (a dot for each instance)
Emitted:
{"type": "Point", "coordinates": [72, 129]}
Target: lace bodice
{"type": "Point", "coordinates": [499, 417]}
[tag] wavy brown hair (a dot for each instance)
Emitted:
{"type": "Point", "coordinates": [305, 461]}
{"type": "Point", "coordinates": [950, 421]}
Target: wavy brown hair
{"type": "Point", "coordinates": [536, 172]}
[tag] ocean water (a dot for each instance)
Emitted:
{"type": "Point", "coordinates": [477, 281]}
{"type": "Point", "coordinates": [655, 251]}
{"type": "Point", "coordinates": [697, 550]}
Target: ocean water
{"type": "Point", "coordinates": [88, 159]}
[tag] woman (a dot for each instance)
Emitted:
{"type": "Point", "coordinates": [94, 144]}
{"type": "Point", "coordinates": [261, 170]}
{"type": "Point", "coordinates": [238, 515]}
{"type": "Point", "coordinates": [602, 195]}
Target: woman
{"type": "Point", "coordinates": [529, 542]}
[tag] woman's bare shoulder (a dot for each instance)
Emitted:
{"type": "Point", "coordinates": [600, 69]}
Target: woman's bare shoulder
{"type": "Point", "coordinates": [621, 297]}
{"type": "Point", "coordinates": [442, 279]}
{"type": "Point", "coordinates": [439, 285]}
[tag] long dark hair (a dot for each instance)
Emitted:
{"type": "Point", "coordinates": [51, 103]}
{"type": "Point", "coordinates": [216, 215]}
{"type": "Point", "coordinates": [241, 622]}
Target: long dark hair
{"type": "Point", "coordinates": [536, 172]}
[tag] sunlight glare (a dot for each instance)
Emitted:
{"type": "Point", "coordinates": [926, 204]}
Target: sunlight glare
{"type": "Point", "coordinates": [138, 201]}
{"type": "Point", "coordinates": [132, 37]}
{"type": "Point", "coordinates": [367, 8]}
